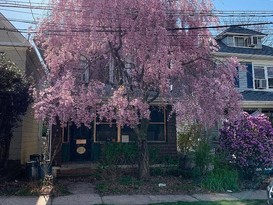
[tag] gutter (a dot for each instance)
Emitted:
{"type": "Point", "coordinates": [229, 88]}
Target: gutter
{"type": "Point", "coordinates": [244, 56]}
{"type": "Point", "coordinates": [257, 104]}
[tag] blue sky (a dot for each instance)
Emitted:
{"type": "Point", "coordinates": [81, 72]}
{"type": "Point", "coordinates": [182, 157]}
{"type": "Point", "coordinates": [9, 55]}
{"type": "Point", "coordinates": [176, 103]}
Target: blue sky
{"type": "Point", "coordinates": [244, 4]}
{"type": "Point", "coordinates": [226, 5]}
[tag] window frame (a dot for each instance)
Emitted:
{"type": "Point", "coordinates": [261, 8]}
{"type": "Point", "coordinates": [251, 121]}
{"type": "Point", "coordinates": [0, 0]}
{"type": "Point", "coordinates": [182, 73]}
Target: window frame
{"type": "Point", "coordinates": [265, 69]}
{"type": "Point", "coordinates": [119, 130]}
{"type": "Point", "coordinates": [244, 40]}
{"type": "Point", "coordinates": [104, 123]}
{"type": "Point", "coordinates": [248, 41]}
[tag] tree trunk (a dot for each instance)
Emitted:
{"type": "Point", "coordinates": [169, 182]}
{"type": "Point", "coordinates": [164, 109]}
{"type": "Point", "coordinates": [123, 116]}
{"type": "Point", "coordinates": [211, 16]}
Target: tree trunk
{"type": "Point", "coordinates": [143, 160]}
{"type": "Point", "coordinates": [4, 149]}
{"type": "Point", "coordinates": [143, 152]}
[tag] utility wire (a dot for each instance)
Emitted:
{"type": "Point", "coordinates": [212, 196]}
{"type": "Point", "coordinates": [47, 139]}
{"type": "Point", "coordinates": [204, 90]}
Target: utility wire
{"type": "Point", "coordinates": [87, 30]}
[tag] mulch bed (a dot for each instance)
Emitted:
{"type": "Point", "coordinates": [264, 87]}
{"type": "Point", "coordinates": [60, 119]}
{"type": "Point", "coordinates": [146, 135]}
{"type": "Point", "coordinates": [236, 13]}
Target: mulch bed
{"type": "Point", "coordinates": [112, 183]}
{"type": "Point", "coordinates": [131, 185]}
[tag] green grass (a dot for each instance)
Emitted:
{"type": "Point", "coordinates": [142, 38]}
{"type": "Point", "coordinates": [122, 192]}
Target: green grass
{"type": "Point", "coordinates": [244, 202]}
{"type": "Point", "coordinates": [220, 180]}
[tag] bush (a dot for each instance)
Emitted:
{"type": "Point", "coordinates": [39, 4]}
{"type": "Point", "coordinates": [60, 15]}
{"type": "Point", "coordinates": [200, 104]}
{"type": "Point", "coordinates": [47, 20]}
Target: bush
{"type": "Point", "coordinates": [203, 157]}
{"type": "Point", "coordinates": [248, 142]}
{"type": "Point", "coordinates": [119, 154]}
{"type": "Point", "coordinates": [187, 140]}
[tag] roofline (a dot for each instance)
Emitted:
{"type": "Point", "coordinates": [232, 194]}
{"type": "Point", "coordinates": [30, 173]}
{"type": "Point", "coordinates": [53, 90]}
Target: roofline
{"type": "Point", "coordinates": [15, 44]}
{"type": "Point", "coordinates": [257, 104]}
{"type": "Point", "coordinates": [9, 25]}
{"type": "Point", "coordinates": [240, 55]}
{"type": "Point", "coordinates": [221, 36]}
{"type": "Point", "coordinates": [245, 34]}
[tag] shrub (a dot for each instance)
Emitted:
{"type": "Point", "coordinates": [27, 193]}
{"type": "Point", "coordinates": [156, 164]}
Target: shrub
{"type": "Point", "coordinates": [187, 140]}
{"type": "Point", "coordinates": [248, 142]}
{"type": "Point", "coordinates": [119, 154]}
{"type": "Point", "coordinates": [203, 157]}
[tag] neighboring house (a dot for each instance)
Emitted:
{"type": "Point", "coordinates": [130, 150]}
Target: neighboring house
{"type": "Point", "coordinates": [255, 82]}
{"type": "Point", "coordinates": [26, 137]}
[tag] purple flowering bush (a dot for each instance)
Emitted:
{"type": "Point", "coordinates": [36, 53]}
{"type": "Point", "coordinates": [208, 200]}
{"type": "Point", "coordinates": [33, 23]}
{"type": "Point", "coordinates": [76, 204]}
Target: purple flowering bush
{"type": "Point", "coordinates": [248, 141]}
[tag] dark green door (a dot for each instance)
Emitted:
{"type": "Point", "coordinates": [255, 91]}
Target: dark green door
{"type": "Point", "coordinates": [81, 143]}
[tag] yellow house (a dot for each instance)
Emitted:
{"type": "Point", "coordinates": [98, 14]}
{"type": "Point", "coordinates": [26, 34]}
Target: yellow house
{"type": "Point", "coordinates": [27, 137]}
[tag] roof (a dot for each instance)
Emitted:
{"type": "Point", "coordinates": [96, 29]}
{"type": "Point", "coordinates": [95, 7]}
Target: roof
{"type": "Point", "coordinates": [10, 36]}
{"type": "Point", "coordinates": [250, 95]}
{"type": "Point", "coordinates": [239, 30]}
{"type": "Point", "coordinates": [265, 50]}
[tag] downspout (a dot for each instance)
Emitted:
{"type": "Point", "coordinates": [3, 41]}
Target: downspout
{"type": "Point", "coordinates": [50, 143]}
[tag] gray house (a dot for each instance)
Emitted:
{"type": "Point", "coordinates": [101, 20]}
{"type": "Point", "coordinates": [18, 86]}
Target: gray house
{"type": "Point", "coordinates": [255, 82]}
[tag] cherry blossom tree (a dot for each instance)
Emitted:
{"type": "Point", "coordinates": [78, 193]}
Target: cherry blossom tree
{"type": "Point", "coordinates": [112, 59]}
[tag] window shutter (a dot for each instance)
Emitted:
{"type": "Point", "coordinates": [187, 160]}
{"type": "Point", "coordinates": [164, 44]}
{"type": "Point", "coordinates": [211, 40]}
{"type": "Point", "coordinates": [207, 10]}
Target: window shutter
{"type": "Point", "coordinates": [249, 76]}
{"type": "Point", "coordinates": [236, 79]}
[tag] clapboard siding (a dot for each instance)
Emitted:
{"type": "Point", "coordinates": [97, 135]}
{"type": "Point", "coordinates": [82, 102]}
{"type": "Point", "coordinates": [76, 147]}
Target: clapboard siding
{"type": "Point", "coordinates": [30, 136]}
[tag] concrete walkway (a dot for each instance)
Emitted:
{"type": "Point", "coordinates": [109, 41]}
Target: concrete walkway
{"type": "Point", "coordinates": [88, 199]}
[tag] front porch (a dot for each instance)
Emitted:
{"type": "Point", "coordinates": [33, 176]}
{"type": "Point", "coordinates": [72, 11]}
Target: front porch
{"type": "Point", "coordinates": [76, 169]}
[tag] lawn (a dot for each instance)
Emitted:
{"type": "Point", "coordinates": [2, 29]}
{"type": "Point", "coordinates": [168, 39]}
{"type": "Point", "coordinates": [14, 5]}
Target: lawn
{"type": "Point", "coordinates": [250, 202]}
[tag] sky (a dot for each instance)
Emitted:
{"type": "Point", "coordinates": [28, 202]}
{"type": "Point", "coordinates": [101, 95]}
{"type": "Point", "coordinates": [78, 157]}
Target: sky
{"type": "Point", "coordinates": [265, 5]}
{"type": "Point", "coordinates": [16, 14]}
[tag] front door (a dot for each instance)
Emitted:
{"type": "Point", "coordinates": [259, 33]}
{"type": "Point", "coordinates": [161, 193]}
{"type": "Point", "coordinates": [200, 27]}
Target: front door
{"type": "Point", "coordinates": [81, 140]}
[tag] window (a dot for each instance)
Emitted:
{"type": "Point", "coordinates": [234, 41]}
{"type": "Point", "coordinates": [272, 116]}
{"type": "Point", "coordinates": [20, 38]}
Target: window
{"type": "Point", "coordinates": [157, 125]}
{"type": "Point", "coordinates": [240, 41]}
{"type": "Point", "coordinates": [270, 77]}
{"type": "Point", "coordinates": [111, 132]}
{"type": "Point", "coordinates": [106, 132]}
{"type": "Point", "coordinates": [263, 77]}
{"type": "Point", "coordinates": [65, 134]}
{"type": "Point", "coordinates": [247, 41]}
{"type": "Point", "coordinates": [259, 74]}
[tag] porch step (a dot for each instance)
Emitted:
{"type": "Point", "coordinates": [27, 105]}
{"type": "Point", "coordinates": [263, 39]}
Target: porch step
{"type": "Point", "coordinates": [76, 169]}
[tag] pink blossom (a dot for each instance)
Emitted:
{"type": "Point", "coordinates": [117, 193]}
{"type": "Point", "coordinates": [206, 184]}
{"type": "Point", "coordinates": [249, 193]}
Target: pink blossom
{"type": "Point", "coordinates": [103, 37]}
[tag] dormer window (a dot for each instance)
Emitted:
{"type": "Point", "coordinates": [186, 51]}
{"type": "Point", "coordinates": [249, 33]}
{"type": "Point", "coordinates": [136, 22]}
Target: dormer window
{"type": "Point", "coordinates": [247, 41]}
{"type": "Point", "coordinates": [240, 41]}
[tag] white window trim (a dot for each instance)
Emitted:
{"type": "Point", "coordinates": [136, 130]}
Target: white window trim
{"type": "Point", "coordinates": [265, 67]}
{"type": "Point", "coordinates": [247, 37]}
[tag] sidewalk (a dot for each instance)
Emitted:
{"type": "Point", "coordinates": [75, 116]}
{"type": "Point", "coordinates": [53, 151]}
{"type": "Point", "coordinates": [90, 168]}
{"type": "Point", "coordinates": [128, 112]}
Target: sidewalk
{"type": "Point", "coordinates": [88, 199]}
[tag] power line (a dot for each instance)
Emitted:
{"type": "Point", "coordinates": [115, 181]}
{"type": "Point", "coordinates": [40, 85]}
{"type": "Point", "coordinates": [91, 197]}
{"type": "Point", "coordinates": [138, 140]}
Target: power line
{"type": "Point", "coordinates": [44, 6]}
{"type": "Point", "coordinates": [223, 26]}
{"type": "Point", "coordinates": [87, 30]}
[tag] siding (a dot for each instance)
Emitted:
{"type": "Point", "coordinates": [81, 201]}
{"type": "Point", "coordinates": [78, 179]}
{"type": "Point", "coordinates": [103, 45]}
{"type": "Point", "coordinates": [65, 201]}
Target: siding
{"type": "Point", "coordinates": [26, 139]}
{"type": "Point", "coordinates": [31, 141]}
{"type": "Point", "coordinates": [17, 55]}
{"type": "Point", "coordinates": [228, 40]}
{"type": "Point", "coordinates": [15, 144]}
